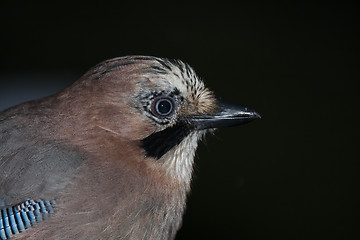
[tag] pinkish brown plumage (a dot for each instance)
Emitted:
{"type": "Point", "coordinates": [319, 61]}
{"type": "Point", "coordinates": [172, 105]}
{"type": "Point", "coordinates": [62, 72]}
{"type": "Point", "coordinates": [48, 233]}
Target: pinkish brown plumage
{"type": "Point", "coordinates": [115, 150]}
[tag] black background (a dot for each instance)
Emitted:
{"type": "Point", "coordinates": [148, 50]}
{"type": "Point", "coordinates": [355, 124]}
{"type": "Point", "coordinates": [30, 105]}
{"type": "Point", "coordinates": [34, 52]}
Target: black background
{"type": "Point", "coordinates": [294, 174]}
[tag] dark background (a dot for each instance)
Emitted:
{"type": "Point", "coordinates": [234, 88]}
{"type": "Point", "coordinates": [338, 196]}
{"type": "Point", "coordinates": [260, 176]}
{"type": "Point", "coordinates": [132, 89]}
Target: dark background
{"type": "Point", "coordinates": [294, 174]}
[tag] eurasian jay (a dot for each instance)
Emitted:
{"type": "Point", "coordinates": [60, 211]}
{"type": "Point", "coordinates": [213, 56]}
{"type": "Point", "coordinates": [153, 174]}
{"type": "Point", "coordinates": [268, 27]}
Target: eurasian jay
{"type": "Point", "coordinates": [111, 156]}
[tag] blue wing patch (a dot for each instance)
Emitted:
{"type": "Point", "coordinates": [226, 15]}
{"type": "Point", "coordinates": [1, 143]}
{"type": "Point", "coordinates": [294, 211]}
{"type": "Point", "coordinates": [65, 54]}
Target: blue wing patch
{"type": "Point", "coordinates": [22, 216]}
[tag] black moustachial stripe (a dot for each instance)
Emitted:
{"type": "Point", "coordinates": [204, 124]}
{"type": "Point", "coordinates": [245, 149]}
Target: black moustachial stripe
{"type": "Point", "coordinates": [159, 143]}
{"type": "Point", "coordinates": [18, 218]}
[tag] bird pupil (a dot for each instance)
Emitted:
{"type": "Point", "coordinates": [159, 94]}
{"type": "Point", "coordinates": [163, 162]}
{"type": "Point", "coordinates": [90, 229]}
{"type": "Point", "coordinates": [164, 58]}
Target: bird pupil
{"type": "Point", "coordinates": [164, 107]}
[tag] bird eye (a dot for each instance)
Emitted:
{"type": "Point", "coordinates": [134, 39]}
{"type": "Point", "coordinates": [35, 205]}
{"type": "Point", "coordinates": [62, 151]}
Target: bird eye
{"type": "Point", "coordinates": [163, 107]}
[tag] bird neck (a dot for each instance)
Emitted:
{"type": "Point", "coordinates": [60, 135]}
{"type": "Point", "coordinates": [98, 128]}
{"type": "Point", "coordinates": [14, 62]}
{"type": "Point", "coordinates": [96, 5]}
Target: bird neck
{"type": "Point", "coordinates": [178, 162]}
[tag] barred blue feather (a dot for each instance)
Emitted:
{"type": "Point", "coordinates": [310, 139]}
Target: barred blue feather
{"type": "Point", "coordinates": [18, 218]}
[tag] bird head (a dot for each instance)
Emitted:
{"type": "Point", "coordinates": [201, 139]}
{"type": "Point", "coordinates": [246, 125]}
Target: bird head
{"type": "Point", "coordinates": [159, 104]}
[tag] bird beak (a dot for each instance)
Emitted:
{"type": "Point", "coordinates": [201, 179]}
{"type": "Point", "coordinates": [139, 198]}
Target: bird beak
{"type": "Point", "coordinates": [227, 115]}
